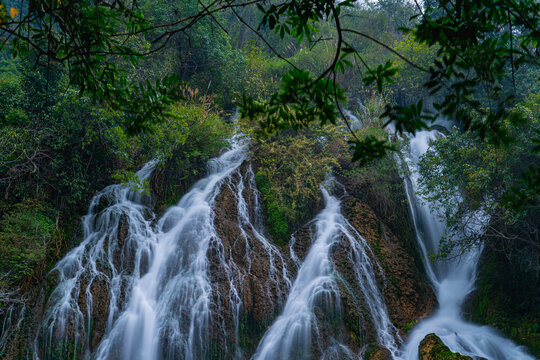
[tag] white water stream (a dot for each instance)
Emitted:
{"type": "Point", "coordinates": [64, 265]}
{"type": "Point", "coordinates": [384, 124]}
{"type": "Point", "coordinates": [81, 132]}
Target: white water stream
{"type": "Point", "coordinates": [453, 280]}
{"type": "Point", "coordinates": [101, 260]}
{"type": "Point", "coordinates": [168, 313]}
{"type": "Point", "coordinates": [290, 336]}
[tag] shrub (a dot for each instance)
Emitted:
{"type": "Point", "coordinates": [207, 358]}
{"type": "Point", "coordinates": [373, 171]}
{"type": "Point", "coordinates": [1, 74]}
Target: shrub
{"type": "Point", "coordinates": [291, 168]}
{"type": "Point", "coordinates": [26, 231]}
{"type": "Point", "coordinates": [194, 133]}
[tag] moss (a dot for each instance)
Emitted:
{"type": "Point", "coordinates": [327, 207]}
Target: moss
{"type": "Point", "coordinates": [371, 351]}
{"type": "Point", "coordinates": [506, 302]}
{"type": "Point", "coordinates": [395, 282]}
{"type": "Point", "coordinates": [185, 144]}
{"type": "Point", "coordinates": [67, 349]}
{"type": "Point", "coordinates": [442, 352]}
{"type": "Point", "coordinates": [26, 232]}
{"type": "Point", "coordinates": [290, 167]}
{"type": "Point", "coordinates": [278, 226]}
{"type": "Point", "coordinates": [250, 332]}
{"type": "Point", "coordinates": [408, 326]}
{"type": "Point", "coordinates": [356, 316]}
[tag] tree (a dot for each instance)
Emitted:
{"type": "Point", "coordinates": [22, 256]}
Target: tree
{"type": "Point", "coordinates": [475, 183]}
{"type": "Point", "coordinates": [479, 44]}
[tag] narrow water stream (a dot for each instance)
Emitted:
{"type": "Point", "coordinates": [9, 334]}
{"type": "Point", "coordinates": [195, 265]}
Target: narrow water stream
{"type": "Point", "coordinates": [290, 336]}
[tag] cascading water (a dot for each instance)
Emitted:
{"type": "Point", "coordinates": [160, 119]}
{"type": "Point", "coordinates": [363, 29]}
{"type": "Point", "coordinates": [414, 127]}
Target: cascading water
{"type": "Point", "coordinates": [290, 336]}
{"type": "Point", "coordinates": [359, 255]}
{"type": "Point", "coordinates": [12, 320]}
{"type": "Point", "coordinates": [453, 280]}
{"type": "Point", "coordinates": [140, 289]}
{"type": "Point", "coordinates": [100, 262]}
{"type": "Point", "coordinates": [292, 330]}
{"type": "Point", "coordinates": [156, 280]}
{"type": "Point", "coordinates": [168, 312]}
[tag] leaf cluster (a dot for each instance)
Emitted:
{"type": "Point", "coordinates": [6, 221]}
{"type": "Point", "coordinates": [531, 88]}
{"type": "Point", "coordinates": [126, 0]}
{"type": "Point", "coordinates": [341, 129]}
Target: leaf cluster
{"type": "Point", "coordinates": [479, 185]}
{"type": "Point", "coordinates": [300, 101]}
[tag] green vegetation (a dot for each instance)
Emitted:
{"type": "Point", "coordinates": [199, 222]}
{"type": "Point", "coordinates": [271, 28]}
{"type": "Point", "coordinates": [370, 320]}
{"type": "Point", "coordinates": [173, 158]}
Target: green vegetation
{"type": "Point", "coordinates": [57, 149]}
{"type": "Point", "coordinates": [290, 169]}
{"type": "Point", "coordinates": [195, 133]}
{"type": "Point", "coordinates": [96, 43]}
{"type": "Point", "coordinates": [432, 348]}
{"type": "Point", "coordinates": [488, 178]}
{"type": "Point", "coordinates": [508, 299]}
{"type": "Point", "coordinates": [378, 183]}
{"type": "Point", "coordinates": [409, 79]}
{"type": "Point", "coordinates": [408, 326]}
{"type": "Point", "coordinates": [492, 197]}
{"type": "Point", "coordinates": [26, 233]}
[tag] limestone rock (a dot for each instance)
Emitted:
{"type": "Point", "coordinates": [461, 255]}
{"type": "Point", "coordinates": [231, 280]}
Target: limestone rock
{"type": "Point", "coordinates": [432, 348]}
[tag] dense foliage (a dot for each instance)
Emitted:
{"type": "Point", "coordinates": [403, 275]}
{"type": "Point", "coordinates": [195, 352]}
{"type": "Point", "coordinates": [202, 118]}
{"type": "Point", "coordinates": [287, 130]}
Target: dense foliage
{"type": "Point", "coordinates": [478, 44]}
{"type": "Point", "coordinates": [291, 168]}
{"type": "Point", "coordinates": [475, 183]}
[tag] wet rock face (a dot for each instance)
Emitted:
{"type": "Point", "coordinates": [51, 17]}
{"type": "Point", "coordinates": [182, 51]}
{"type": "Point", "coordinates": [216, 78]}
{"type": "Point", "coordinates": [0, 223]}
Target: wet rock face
{"type": "Point", "coordinates": [407, 292]}
{"type": "Point", "coordinates": [432, 348]}
{"type": "Point", "coordinates": [251, 292]}
{"type": "Point", "coordinates": [356, 315]}
{"type": "Point", "coordinates": [300, 242]}
{"type": "Point", "coordinates": [84, 333]}
{"type": "Point", "coordinates": [378, 353]}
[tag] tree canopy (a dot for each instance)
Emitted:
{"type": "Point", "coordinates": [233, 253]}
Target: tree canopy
{"type": "Point", "coordinates": [480, 48]}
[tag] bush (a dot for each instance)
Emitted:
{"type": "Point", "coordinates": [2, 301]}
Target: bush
{"type": "Point", "coordinates": [10, 95]}
{"type": "Point", "coordinates": [26, 231]}
{"type": "Point", "coordinates": [485, 174]}
{"type": "Point", "coordinates": [17, 117]}
{"type": "Point", "coordinates": [291, 168]}
{"type": "Point", "coordinates": [194, 133]}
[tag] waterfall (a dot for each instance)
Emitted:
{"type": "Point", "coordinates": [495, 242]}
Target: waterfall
{"type": "Point", "coordinates": [453, 280]}
{"type": "Point", "coordinates": [167, 285]}
{"type": "Point", "coordinates": [314, 283]}
{"type": "Point", "coordinates": [9, 326]}
{"type": "Point", "coordinates": [359, 255]}
{"type": "Point", "coordinates": [290, 336]}
{"type": "Point", "coordinates": [181, 286]}
{"type": "Point", "coordinates": [168, 313]}
{"type": "Point", "coordinates": [355, 123]}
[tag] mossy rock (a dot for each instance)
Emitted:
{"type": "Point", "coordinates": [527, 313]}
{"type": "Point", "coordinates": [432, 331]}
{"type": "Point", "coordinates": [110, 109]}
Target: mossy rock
{"type": "Point", "coordinates": [408, 326]}
{"type": "Point", "coordinates": [432, 348]}
{"type": "Point", "coordinates": [507, 299]}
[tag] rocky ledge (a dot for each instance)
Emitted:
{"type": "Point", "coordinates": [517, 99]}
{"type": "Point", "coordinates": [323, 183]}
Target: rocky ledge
{"type": "Point", "coordinates": [432, 348]}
